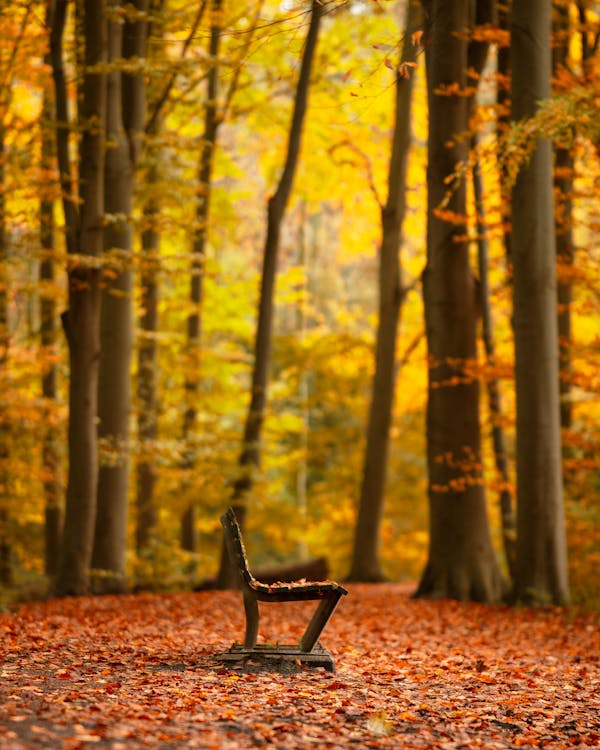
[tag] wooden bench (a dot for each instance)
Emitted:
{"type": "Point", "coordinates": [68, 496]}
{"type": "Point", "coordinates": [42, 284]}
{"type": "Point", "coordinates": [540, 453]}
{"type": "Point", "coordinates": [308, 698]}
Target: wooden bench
{"type": "Point", "coordinates": [327, 593]}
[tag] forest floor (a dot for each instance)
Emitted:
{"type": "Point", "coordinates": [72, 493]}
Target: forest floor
{"type": "Point", "coordinates": [140, 671]}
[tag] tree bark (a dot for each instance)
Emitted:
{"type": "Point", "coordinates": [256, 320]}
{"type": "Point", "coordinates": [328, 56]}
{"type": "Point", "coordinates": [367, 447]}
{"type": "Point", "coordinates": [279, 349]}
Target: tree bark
{"type": "Point", "coordinates": [147, 387]}
{"type": "Point", "coordinates": [563, 183]}
{"type": "Point", "coordinates": [5, 535]}
{"type": "Point", "coordinates": [461, 562]}
{"type": "Point", "coordinates": [541, 545]}
{"type": "Point", "coordinates": [108, 561]}
{"type": "Point", "coordinates": [503, 123]}
{"type": "Point", "coordinates": [507, 515]}
{"type": "Point", "coordinates": [48, 315]}
{"type": "Point", "coordinates": [194, 322]}
{"type": "Point", "coordinates": [81, 319]}
{"type": "Point", "coordinates": [125, 121]}
{"type": "Point", "coordinates": [366, 564]}
{"type": "Point", "coordinates": [147, 375]}
{"type": "Point", "coordinates": [249, 460]}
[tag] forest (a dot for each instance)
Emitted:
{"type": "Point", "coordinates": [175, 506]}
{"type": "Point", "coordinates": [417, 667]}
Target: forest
{"type": "Point", "coordinates": [333, 263]}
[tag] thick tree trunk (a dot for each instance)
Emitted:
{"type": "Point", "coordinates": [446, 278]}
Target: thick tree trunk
{"type": "Point", "coordinates": [461, 562]}
{"type": "Point", "coordinates": [541, 546]}
{"type": "Point", "coordinates": [249, 460]}
{"type": "Point", "coordinates": [114, 396]}
{"type": "Point", "coordinates": [125, 119]}
{"type": "Point", "coordinates": [366, 564]}
{"type": "Point", "coordinates": [81, 320]}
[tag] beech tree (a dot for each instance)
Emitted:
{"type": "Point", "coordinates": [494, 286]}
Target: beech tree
{"type": "Point", "coordinates": [5, 542]}
{"type": "Point", "coordinates": [149, 284]}
{"type": "Point", "coordinates": [365, 556]}
{"type": "Point", "coordinates": [125, 113]}
{"type": "Point", "coordinates": [83, 206]}
{"type": "Point", "coordinates": [461, 561]}
{"type": "Point", "coordinates": [147, 388]}
{"type": "Point", "coordinates": [505, 499]}
{"type": "Point", "coordinates": [212, 121]}
{"type": "Point", "coordinates": [48, 338]}
{"type": "Point", "coordinates": [541, 571]}
{"type": "Point", "coordinates": [563, 183]}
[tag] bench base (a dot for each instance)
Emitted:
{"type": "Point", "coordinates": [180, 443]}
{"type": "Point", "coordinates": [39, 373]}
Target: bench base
{"type": "Point", "coordinates": [272, 655]}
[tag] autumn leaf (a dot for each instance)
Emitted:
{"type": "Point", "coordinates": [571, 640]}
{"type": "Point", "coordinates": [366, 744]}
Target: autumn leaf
{"type": "Point", "coordinates": [141, 671]}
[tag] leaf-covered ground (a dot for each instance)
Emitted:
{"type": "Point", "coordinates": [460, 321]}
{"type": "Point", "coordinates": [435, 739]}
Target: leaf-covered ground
{"type": "Point", "coordinates": [139, 672]}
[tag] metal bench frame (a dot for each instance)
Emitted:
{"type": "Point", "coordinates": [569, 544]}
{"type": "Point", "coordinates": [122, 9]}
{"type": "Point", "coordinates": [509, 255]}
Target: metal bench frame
{"type": "Point", "coordinates": [327, 593]}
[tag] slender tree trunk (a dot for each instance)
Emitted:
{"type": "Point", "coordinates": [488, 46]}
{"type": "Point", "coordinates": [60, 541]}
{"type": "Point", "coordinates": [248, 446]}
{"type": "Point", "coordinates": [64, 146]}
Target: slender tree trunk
{"type": "Point", "coordinates": [48, 316]}
{"type": "Point", "coordinates": [249, 460]}
{"type": "Point", "coordinates": [147, 514]}
{"type": "Point", "coordinates": [507, 516]}
{"type": "Point", "coordinates": [541, 545]}
{"type": "Point", "coordinates": [461, 562]}
{"type": "Point", "coordinates": [194, 322]}
{"type": "Point", "coordinates": [301, 479]}
{"type": "Point", "coordinates": [147, 375]}
{"type": "Point", "coordinates": [81, 319]}
{"type": "Point", "coordinates": [366, 564]}
{"type": "Point", "coordinates": [503, 123]}
{"type": "Point", "coordinates": [5, 535]}
{"type": "Point", "coordinates": [563, 184]}
{"type": "Point", "coordinates": [125, 121]}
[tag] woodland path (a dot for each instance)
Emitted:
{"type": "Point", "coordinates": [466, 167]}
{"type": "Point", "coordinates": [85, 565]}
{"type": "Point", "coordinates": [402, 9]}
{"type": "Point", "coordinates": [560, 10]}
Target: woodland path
{"type": "Point", "coordinates": [137, 672]}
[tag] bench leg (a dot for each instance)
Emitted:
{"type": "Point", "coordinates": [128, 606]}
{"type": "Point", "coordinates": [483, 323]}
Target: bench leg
{"type": "Point", "coordinates": [251, 609]}
{"type": "Point", "coordinates": [320, 618]}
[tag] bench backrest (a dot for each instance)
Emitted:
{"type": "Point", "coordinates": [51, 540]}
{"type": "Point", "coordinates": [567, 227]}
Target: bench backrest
{"type": "Point", "coordinates": [235, 546]}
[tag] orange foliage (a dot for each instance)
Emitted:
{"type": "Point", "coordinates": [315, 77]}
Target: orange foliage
{"type": "Point", "coordinates": [143, 671]}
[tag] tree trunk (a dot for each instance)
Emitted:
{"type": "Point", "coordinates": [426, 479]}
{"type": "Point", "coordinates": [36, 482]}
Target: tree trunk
{"type": "Point", "coordinates": [503, 123]}
{"type": "Point", "coordinates": [507, 515]}
{"type": "Point", "coordinates": [194, 322]}
{"type": "Point", "coordinates": [366, 564]}
{"type": "Point", "coordinates": [541, 546]}
{"type": "Point", "coordinates": [563, 184]}
{"type": "Point", "coordinates": [5, 535]}
{"type": "Point", "coordinates": [50, 453]}
{"type": "Point", "coordinates": [249, 460]}
{"type": "Point", "coordinates": [147, 376]}
{"type": "Point", "coordinates": [461, 562]}
{"type": "Point", "coordinates": [108, 561]}
{"type": "Point", "coordinates": [81, 319]}
{"type": "Point", "coordinates": [147, 514]}
{"type": "Point", "coordinates": [125, 120]}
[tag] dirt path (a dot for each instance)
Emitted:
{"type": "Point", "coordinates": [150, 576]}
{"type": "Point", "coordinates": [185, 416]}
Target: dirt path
{"type": "Point", "coordinates": [139, 672]}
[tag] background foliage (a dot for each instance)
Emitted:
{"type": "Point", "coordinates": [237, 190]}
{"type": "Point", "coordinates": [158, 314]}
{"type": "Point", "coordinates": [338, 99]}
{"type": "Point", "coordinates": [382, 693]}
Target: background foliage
{"type": "Point", "coordinates": [326, 291]}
